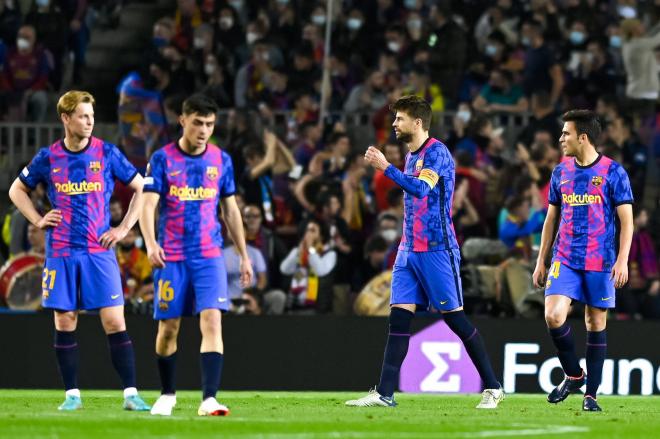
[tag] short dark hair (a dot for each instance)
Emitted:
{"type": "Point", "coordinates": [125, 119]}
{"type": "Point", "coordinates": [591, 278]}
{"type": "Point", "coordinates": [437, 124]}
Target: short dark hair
{"type": "Point", "coordinates": [586, 122]}
{"type": "Point", "coordinates": [415, 107]}
{"type": "Point", "coordinates": [515, 202]}
{"type": "Point", "coordinates": [201, 104]}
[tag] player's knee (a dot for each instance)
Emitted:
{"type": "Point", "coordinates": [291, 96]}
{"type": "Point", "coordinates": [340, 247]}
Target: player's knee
{"type": "Point", "coordinates": [168, 332]}
{"type": "Point", "coordinates": [66, 321]}
{"type": "Point", "coordinates": [210, 322]}
{"type": "Point", "coordinates": [554, 317]}
{"type": "Point", "coordinates": [595, 322]}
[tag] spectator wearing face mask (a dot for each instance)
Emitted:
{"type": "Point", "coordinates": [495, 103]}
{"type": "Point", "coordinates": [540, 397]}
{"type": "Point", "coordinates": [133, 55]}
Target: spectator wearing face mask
{"type": "Point", "coordinates": [356, 37]}
{"type": "Point", "coordinates": [501, 95]}
{"type": "Point", "coordinates": [134, 266]}
{"type": "Point", "coordinates": [26, 75]}
{"type": "Point", "coordinates": [311, 264]}
{"type": "Point", "coordinates": [51, 25]}
{"type": "Point", "coordinates": [368, 96]}
{"type": "Point", "coordinates": [639, 59]}
{"type": "Point", "coordinates": [252, 77]}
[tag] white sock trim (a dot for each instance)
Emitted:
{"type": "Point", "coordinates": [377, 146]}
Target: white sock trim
{"type": "Point", "coordinates": [130, 391]}
{"type": "Point", "coordinates": [73, 392]}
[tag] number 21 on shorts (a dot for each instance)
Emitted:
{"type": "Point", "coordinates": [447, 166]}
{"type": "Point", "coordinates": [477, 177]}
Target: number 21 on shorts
{"type": "Point", "coordinates": [45, 283]}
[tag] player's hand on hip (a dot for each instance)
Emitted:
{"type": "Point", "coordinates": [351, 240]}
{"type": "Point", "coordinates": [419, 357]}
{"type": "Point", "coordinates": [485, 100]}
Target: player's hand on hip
{"type": "Point", "coordinates": [156, 255]}
{"type": "Point", "coordinates": [376, 158]}
{"type": "Point", "coordinates": [246, 272]}
{"type": "Point", "coordinates": [539, 275]}
{"type": "Point", "coordinates": [110, 238]}
{"type": "Point", "coordinates": [620, 273]}
{"type": "Point", "coordinates": [52, 219]}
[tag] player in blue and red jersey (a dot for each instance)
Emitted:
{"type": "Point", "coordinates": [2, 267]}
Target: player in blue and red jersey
{"type": "Point", "coordinates": [81, 270]}
{"type": "Point", "coordinates": [426, 270]}
{"type": "Point", "coordinates": [190, 178]}
{"type": "Point", "coordinates": [588, 192]}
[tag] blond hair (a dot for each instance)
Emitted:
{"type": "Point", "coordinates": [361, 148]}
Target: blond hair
{"type": "Point", "coordinates": [69, 101]}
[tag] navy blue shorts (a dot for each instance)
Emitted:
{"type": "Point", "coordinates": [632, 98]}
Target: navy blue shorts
{"type": "Point", "coordinates": [190, 286]}
{"type": "Point", "coordinates": [425, 278]}
{"type": "Point", "coordinates": [86, 281]}
{"type": "Point", "coordinates": [594, 288]}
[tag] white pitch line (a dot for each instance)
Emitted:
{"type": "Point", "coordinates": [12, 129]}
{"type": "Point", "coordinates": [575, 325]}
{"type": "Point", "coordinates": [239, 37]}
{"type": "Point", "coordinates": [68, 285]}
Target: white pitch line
{"type": "Point", "coordinates": [530, 431]}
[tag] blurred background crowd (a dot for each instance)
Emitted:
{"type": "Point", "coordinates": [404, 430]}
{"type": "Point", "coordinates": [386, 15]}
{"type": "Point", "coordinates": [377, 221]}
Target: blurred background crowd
{"type": "Point", "coordinates": [305, 88]}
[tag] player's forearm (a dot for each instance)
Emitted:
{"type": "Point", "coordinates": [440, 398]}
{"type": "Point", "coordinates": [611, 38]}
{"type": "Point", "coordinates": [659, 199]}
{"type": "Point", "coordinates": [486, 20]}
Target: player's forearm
{"type": "Point", "coordinates": [133, 212]}
{"type": "Point", "coordinates": [147, 223]}
{"type": "Point", "coordinates": [625, 238]}
{"type": "Point", "coordinates": [547, 236]}
{"type": "Point", "coordinates": [235, 225]}
{"type": "Point", "coordinates": [23, 203]}
{"type": "Point", "coordinates": [413, 185]}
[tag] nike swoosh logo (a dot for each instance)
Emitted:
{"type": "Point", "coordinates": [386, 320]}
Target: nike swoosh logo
{"type": "Point", "coordinates": [563, 181]}
{"type": "Point", "coordinates": [222, 299]}
{"type": "Point", "coordinates": [442, 303]}
{"type": "Point", "coordinates": [172, 174]}
{"type": "Point", "coordinates": [56, 170]}
{"type": "Point", "coordinates": [114, 296]}
{"type": "Point", "coordinates": [605, 298]}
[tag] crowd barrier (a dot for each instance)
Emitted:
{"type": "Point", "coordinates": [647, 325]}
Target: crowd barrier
{"type": "Point", "coordinates": [331, 353]}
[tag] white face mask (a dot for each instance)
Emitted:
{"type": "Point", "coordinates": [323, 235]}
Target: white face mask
{"type": "Point", "coordinates": [354, 23]}
{"type": "Point", "coordinates": [139, 242]}
{"type": "Point", "coordinates": [226, 22]}
{"type": "Point", "coordinates": [394, 46]}
{"type": "Point", "coordinates": [209, 69]}
{"type": "Point", "coordinates": [414, 24]}
{"type": "Point", "coordinates": [464, 115]}
{"type": "Point", "coordinates": [198, 43]}
{"type": "Point", "coordinates": [22, 43]}
{"type": "Point", "coordinates": [389, 235]}
{"type": "Point", "coordinates": [251, 37]}
{"type": "Point", "coordinates": [318, 20]}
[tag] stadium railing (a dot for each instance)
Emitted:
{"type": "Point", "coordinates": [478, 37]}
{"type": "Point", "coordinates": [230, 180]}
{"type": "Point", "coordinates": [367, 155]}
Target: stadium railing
{"type": "Point", "coordinates": [20, 141]}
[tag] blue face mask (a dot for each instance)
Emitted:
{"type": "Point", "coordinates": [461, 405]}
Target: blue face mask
{"type": "Point", "coordinates": [42, 3]}
{"type": "Point", "coordinates": [159, 42]}
{"type": "Point", "coordinates": [577, 37]}
{"type": "Point", "coordinates": [615, 41]}
{"type": "Point", "coordinates": [354, 23]}
{"type": "Point", "coordinates": [525, 41]}
{"type": "Point", "coordinates": [410, 4]}
{"type": "Point", "coordinates": [490, 50]}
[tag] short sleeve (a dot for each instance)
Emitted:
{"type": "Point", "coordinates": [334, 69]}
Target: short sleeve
{"type": "Point", "coordinates": [437, 162]}
{"type": "Point", "coordinates": [154, 180]}
{"type": "Point", "coordinates": [259, 262]}
{"type": "Point", "coordinates": [227, 185]}
{"type": "Point", "coordinates": [37, 171]}
{"type": "Point", "coordinates": [122, 169]}
{"type": "Point", "coordinates": [554, 194]}
{"type": "Point", "coordinates": [620, 190]}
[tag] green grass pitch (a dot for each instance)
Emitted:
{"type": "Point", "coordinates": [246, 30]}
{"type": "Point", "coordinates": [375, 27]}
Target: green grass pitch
{"type": "Point", "coordinates": [309, 415]}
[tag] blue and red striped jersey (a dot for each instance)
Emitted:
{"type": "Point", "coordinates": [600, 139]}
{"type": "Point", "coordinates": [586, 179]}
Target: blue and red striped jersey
{"type": "Point", "coordinates": [190, 187]}
{"type": "Point", "coordinates": [588, 197]}
{"type": "Point", "coordinates": [79, 184]}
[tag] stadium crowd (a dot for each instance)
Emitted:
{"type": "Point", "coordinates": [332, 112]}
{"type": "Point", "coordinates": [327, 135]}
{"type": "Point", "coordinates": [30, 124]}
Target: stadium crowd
{"type": "Point", "coordinates": [323, 228]}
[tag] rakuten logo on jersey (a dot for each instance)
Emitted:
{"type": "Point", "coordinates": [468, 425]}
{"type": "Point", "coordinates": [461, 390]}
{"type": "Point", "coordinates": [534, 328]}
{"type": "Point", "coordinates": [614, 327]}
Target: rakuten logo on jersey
{"type": "Point", "coordinates": [438, 362]}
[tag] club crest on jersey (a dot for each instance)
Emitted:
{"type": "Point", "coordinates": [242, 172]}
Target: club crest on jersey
{"type": "Point", "coordinates": [597, 180]}
{"type": "Point", "coordinates": [419, 164]}
{"type": "Point", "coordinates": [95, 166]}
{"type": "Point", "coordinates": [212, 172]}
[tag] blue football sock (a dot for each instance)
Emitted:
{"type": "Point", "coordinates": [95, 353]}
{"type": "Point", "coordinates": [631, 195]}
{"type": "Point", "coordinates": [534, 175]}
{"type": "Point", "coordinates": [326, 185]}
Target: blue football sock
{"type": "Point", "coordinates": [123, 357]}
{"type": "Point", "coordinates": [167, 372]}
{"type": "Point", "coordinates": [211, 363]}
{"type": "Point", "coordinates": [596, 350]}
{"type": "Point", "coordinates": [562, 337]}
{"type": "Point", "coordinates": [66, 350]}
{"type": "Point", "coordinates": [474, 345]}
{"type": "Point", "coordinates": [395, 350]}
